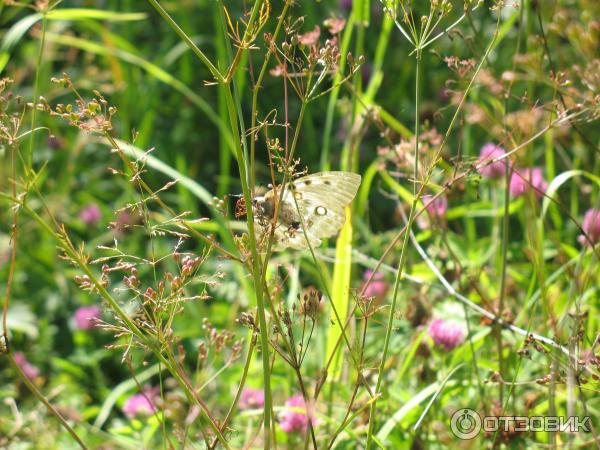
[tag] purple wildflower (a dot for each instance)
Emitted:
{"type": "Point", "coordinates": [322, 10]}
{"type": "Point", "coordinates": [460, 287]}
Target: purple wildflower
{"type": "Point", "coordinates": [86, 316]}
{"type": "Point", "coordinates": [377, 288]}
{"type": "Point", "coordinates": [438, 207]}
{"type": "Point", "coordinates": [91, 214]}
{"type": "Point", "coordinates": [446, 334]}
{"type": "Point", "coordinates": [489, 152]}
{"type": "Point", "coordinates": [346, 5]}
{"type": "Point", "coordinates": [142, 403]}
{"type": "Point", "coordinates": [591, 227]}
{"type": "Point", "coordinates": [524, 179]}
{"type": "Point", "coordinates": [28, 369]}
{"type": "Point", "coordinates": [252, 398]}
{"type": "Point", "coordinates": [295, 417]}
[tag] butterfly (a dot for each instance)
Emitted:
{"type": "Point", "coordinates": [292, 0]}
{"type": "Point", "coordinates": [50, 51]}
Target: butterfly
{"type": "Point", "coordinates": [311, 209]}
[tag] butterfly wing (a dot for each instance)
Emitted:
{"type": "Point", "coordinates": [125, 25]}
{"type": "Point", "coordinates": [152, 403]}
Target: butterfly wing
{"type": "Point", "coordinates": [321, 199]}
{"type": "Point", "coordinates": [312, 209]}
{"type": "Point", "coordinates": [285, 237]}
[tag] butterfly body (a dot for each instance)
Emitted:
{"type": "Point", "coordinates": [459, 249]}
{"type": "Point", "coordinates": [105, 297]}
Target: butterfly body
{"type": "Point", "coordinates": [311, 208]}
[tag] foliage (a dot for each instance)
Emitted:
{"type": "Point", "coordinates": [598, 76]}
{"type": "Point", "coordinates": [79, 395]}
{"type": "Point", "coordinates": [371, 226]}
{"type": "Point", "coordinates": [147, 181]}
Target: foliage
{"type": "Point", "coordinates": [142, 307]}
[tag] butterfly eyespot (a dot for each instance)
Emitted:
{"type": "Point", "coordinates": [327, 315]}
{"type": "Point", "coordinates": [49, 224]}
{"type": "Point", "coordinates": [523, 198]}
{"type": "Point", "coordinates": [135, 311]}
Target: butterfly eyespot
{"type": "Point", "coordinates": [320, 210]}
{"type": "Point", "coordinates": [327, 182]}
{"type": "Point", "coordinates": [307, 182]}
{"type": "Point", "coordinates": [298, 195]}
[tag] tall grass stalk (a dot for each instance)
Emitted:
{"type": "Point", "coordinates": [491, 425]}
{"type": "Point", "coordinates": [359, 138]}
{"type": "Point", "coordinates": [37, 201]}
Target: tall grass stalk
{"type": "Point", "coordinates": [244, 166]}
{"type": "Point", "coordinates": [403, 252]}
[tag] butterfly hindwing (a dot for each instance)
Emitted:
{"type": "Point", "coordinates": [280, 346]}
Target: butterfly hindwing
{"type": "Point", "coordinates": [321, 199]}
{"type": "Point", "coordinates": [313, 208]}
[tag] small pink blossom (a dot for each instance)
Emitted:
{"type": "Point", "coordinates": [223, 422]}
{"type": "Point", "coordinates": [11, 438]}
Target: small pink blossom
{"type": "Point", "coordinates": [446, 334]}
{"type": "Point", "coordinates": [28, 369]}
{"type": "Point", "coordinates": [86, 317]}
{"type": "Point", "coordinates": [124, 221]}
{"type": "Point", "coordinates": [310, 37]}
{"type": "Point", "coordinates": [489, 152]}
{"type": "Point", "coordinates": [141, 404]}
{"type": "Point", "coordinates": [91, 214]}
{"type": "Point", "coordinates": [438, 207]}
{"type": "Point", "coordinates": [377, 288]}
{"type": "Point", "coordinates": [252, 398]}
{"type": "Point", "coordinates": [295, 417]}
{"type": "Point", "coordinates": [591, 227]}
{"type": "Point", "coordinates": [335, 25]}
{"type": "Point", "coordinates": [522, 180]}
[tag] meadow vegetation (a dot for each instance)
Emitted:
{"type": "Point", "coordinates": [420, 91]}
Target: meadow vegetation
{"type": "Point", "coordinates": [145, 306]}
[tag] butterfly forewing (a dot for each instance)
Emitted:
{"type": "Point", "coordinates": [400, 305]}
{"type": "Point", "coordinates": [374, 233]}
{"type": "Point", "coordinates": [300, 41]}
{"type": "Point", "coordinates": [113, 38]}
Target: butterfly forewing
{"type": "Point", "coordinates": [313, 208]}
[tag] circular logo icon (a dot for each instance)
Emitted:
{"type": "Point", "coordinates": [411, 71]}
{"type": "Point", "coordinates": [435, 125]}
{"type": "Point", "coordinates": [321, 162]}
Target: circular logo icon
{"type": "Point", "coordinates": [465, 424]}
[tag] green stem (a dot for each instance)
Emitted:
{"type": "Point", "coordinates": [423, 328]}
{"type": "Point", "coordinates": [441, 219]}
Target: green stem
{"type": "Point", "coordinates": [256, 90]}
{"type": "Point", "coordinates": [256, 267]}
{"type": "Point", "coordinates": [234, 110]}
{"type": "Point", "coordinates": [505, 224]}
{"type": "Point", "coordinates": [325, 164]}
{"type": "Point", "coordinates": [190, 43]}
{"type": "Point", "coordinates": [36, 91]}
{"type": "Point", "coordinates": [37, 393]}
{"type": "Point", "coordinates": [67, 246]}
{"type": "Point", "coordinates": [403, 253]}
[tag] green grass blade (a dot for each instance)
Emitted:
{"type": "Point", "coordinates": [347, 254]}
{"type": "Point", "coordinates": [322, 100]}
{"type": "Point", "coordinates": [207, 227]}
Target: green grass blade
{"type": "Point", "coordinates": [94, 14]}
{"type": "Point", "coordinates": [152, 69]}
{"type": "Point", "coordinates": [340, 291]}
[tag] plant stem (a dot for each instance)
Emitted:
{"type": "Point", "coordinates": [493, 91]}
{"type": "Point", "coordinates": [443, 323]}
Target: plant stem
{"type": "Point", "coordinates": [416, 195]}
{"type": "Point", "coordinates": [36, 92]}
{"type": "Point", "coordinates": [256, 267]}
{"type": "Point", "coordinates": [190, 43]}
{"type": "Point", "coordinates": [37, 393]}
{"type": "Point", "coordinates": [505, 224]}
